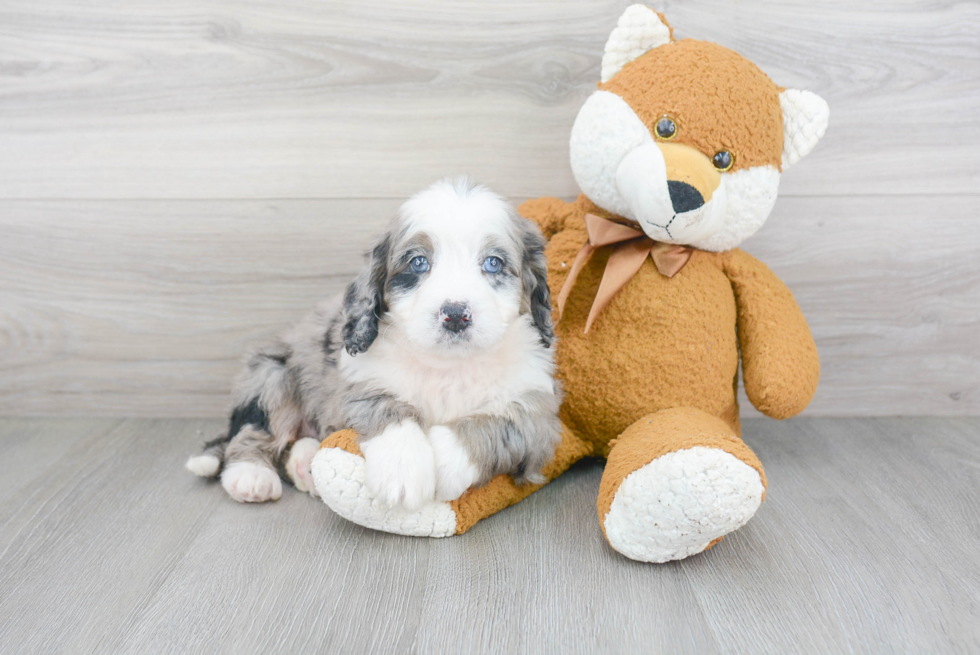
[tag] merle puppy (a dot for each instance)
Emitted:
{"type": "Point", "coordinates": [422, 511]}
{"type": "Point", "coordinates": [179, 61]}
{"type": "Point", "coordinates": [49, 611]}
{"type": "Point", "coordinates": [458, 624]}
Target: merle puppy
{"type": "Point", "coordinates": [440, 355]}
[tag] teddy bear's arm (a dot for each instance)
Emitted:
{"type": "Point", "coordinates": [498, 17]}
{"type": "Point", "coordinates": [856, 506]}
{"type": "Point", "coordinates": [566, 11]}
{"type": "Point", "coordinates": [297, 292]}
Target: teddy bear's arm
{"type": "Point", "coordinates": [780, 365]}
{"type": "Point", "coordinates": [548, 213]}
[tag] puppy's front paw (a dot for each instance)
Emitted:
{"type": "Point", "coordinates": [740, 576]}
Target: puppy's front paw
{"type": "Point", "coordinates": [455, 473]}
{"type": "Point", "coordinates": [298, 464]}
{"type": "Point", "coordinates": [251, 483]}
{"type": "Point", "coordinates": [399, 466]}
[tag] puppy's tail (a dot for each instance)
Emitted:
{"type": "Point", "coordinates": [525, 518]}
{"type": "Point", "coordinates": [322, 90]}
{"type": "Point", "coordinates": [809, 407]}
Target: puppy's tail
{"type": "Point", "coordinates": [265, 389]}
{"type": "Point", "coordinates": [208, 463]}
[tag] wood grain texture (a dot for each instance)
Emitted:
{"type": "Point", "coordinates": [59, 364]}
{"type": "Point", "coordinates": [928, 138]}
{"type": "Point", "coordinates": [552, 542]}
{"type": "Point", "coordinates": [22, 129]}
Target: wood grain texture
{"type": "Point", "coordinates": [178, 181]}
{"type": "Point", "coordinates": [222, 99]}
{"type": "Point", "coordinates": [866, 543]}
{"type": "Point", "coordinates": [891, 290]}
{"type": "Point", "coordinates": [145, 308]}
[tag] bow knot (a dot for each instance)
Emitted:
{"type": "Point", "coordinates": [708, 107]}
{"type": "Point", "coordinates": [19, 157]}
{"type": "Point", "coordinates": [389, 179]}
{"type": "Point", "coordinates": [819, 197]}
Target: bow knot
{"type": "Point", "coordinates": [631, 249]}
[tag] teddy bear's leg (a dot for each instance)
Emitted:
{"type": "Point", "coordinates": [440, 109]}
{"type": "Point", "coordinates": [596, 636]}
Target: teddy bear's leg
{"type": "Point", "coordinates": [675, 483]}
{"type": "Point", "coordinates": [502, 492]}
{"type": "Point", "coordinates": [338, 473]}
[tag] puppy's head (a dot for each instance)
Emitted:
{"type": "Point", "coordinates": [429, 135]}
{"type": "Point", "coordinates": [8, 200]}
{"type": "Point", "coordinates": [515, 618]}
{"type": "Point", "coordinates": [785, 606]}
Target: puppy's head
{"type": "Point", "coordinates": [455, 269]}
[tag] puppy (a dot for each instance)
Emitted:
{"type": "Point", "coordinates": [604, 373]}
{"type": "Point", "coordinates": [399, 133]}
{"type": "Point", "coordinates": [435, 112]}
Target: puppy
{"type": "Point", "coordinates": [440, 356]}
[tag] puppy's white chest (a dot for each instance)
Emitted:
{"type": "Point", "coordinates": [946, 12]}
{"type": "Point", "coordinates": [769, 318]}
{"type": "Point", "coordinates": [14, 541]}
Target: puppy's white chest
{"type": "Point", "coordinates": [482, 385]}
{"type": "Point", "coordinates": [463, 389]}
{"type": "Point", "coordinates": [446, 395]}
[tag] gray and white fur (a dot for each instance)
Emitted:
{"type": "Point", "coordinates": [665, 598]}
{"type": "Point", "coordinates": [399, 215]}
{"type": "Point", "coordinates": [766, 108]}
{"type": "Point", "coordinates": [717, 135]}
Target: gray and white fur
{"type": "Point", "coordinates": [439, 354]}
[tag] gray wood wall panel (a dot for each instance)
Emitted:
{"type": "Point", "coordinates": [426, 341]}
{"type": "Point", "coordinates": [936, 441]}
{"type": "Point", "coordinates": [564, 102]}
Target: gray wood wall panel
{"type": "Point", "coordinates": [178, 180]}
{"type": "Point", "coordinates": [145, 307]}
{"type": "Point", "coordinates": [222, 99]}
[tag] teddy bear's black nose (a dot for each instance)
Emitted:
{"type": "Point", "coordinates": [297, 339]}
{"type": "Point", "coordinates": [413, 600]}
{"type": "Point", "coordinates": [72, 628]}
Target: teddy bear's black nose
{"type": "Point", "coordinates": [684, 197]}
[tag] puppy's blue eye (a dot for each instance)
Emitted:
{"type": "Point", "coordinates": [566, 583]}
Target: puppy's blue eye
{"type": "Point", "coordinates": [419, 265]}
{"type": "Point", "coordinates": [492, 264]}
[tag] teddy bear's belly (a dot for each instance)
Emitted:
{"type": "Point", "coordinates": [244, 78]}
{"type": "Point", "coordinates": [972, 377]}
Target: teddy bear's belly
{"type": "Point", "coordinates": [661, 343]}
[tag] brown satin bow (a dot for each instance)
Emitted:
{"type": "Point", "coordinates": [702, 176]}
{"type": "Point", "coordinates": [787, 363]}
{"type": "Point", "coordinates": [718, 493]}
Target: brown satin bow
{"type": "Point", "coordinates": [632, 248]}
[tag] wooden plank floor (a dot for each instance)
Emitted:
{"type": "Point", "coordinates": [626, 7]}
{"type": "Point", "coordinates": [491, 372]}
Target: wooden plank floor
{"type": "Point", "coordinates": [867, 543]}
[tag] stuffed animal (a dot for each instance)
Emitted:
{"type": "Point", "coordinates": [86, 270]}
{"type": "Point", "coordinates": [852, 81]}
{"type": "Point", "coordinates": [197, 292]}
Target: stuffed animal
{"type": "Point", "coordinates": [678, 155]}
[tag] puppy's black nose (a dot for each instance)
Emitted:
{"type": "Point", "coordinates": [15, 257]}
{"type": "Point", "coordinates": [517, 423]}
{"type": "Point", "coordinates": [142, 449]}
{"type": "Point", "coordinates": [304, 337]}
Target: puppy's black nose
{"type": "Point", "coordinates": [455, 316]}
{"type": "Point", "coordinates": [684, 197]}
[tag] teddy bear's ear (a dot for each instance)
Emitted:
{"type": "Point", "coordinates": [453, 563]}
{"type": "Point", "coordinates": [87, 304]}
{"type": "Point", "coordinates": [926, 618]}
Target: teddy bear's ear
{"type": "Point", "coordinates": [805, 117]}
{"type": "Point", "coordinates": [639, 30]}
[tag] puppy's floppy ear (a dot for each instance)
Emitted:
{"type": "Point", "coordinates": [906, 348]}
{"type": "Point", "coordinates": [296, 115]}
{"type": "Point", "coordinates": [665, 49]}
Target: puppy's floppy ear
{"type": "Point", "coordinates": [364, 300]}
{"type": "Point", "coordinates": [534, 278]}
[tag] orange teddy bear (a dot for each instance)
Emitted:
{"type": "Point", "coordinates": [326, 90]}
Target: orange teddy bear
{"type": "Point", "coordinates": [678, 156]}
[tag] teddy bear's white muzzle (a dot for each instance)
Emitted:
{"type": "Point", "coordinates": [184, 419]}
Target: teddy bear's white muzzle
{"type": "Point", "coordinates": [643, 185]}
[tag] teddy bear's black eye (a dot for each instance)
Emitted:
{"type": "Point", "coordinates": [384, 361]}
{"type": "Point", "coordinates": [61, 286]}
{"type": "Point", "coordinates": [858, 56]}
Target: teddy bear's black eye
{"type": "Point", "coordinates": [666, 128]}
{"type": "Point", "coordinates": [723, 160]}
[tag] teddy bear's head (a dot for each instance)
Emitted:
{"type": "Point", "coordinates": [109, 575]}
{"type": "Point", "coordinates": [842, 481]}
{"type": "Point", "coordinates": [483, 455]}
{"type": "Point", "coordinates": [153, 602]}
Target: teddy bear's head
{"type": "Point", "coordinates": [687, 139]}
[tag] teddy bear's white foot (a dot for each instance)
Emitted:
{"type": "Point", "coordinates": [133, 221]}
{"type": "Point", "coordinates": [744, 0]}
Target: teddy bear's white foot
{"type": "Point", "coordinates": [340, 480]}
{"type": "Point", "coordinates": [681, 502]}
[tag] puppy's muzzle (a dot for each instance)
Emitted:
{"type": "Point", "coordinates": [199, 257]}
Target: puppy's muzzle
{"type": "Point", "coordinates": [455, 317]}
